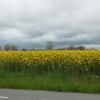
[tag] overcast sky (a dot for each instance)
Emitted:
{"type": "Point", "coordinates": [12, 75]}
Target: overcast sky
{"type": "Point", "coordinates": [31, 23]}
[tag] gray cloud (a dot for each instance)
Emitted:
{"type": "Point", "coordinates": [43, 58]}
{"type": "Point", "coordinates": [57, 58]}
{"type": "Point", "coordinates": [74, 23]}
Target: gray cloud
{"type": "Point", "coordinates": [30, 23]}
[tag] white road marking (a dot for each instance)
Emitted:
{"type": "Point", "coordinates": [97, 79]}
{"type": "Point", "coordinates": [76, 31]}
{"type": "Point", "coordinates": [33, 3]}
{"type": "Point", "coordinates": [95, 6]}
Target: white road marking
{"type": "Point", "coordinates": [3, 97]}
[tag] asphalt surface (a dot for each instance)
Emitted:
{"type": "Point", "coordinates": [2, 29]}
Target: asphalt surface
{"type": "Point", "coordinates": [10, 94]}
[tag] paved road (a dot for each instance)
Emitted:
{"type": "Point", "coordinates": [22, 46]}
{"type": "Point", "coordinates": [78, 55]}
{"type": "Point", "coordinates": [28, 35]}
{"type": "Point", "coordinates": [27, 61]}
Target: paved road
{"type": "Point", "coordinates": [9, 94]}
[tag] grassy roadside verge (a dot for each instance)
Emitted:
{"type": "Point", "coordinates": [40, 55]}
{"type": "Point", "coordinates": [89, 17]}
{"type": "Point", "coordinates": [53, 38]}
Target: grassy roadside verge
{"type": "Point", "coordinates": [52, 81]}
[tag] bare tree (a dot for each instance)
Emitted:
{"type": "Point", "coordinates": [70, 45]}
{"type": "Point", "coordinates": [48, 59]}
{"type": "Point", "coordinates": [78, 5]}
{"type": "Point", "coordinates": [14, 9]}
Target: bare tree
{"type": "Point", "coordinates": [0, 47]}
{"type": "Point", "coordinates": [7, 47]}
{"type": "Point", "coordinates": [71, 47]}
{"type": "Point", "coordinates": [49, 45]}
{"type": "Point", "coordinates": [13, 48]}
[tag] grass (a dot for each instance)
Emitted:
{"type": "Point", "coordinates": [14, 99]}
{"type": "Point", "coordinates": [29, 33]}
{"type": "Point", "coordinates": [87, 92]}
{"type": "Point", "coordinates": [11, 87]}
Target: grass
{"type": "Point", "coordinates": [54, 81]}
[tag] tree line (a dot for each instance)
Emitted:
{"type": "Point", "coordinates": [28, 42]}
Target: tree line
{"type": "Point", "coordinates": [49, 46]}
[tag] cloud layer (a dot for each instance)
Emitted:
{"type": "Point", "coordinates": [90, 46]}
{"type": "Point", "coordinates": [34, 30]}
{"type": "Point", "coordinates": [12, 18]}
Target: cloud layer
{"type": "Point", "coordinates": [31, 23]}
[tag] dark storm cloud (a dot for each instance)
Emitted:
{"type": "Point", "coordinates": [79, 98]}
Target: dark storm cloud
{"type": "Point", "coordinates": [34, 22]}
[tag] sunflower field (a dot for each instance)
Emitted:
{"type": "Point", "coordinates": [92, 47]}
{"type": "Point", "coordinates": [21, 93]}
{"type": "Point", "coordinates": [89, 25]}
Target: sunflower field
{"type": "Point", "coordinates": [44, 61]}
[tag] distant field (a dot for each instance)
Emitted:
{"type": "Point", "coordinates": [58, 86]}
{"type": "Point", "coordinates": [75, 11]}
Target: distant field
{"type": "Point", "coordinates": [59, 70]}
{"type": "Point", "coordinates": [45, 61]}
